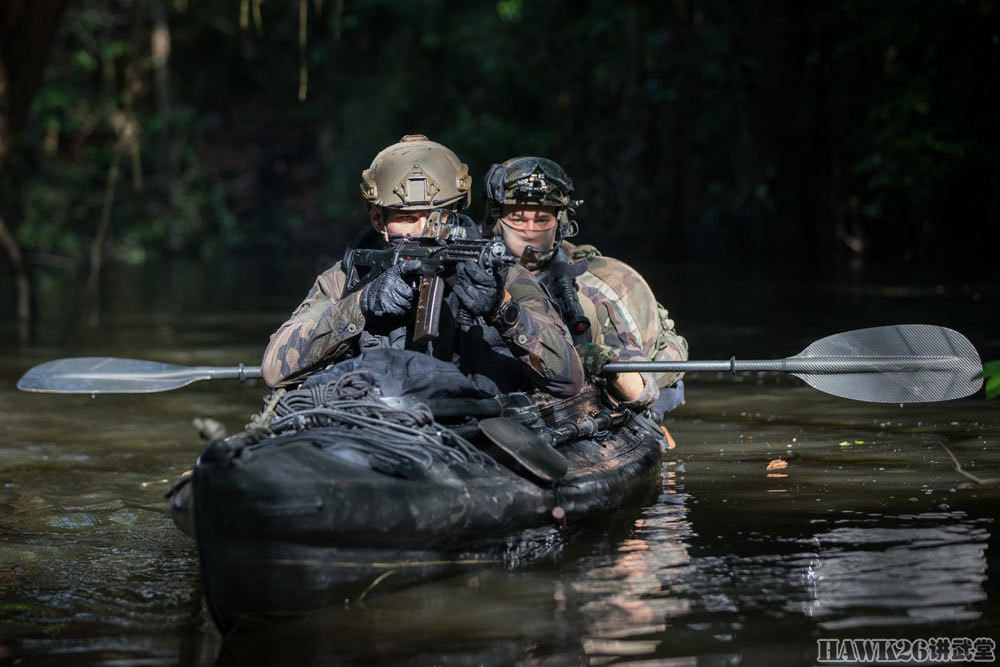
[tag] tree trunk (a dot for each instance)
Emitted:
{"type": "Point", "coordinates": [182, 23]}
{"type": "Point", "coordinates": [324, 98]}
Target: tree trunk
{"type": "Point", "coordinates": [22, 284]}
{"type": "Point", "coordinates": [27, 30]}
{"type": "Point", "coordinates": [92, 301]}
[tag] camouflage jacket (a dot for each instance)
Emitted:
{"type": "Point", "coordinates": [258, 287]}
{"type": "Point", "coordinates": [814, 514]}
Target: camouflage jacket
{"type": "Point", "coordinates": [535, 353]}
{"type": "Point", "coordinates": [624, 314]}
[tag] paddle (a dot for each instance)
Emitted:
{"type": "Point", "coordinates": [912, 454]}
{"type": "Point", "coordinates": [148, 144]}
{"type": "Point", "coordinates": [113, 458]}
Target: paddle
{"type": "Point", "coordinates": [534, 449]}
{"type": "Point", "coordinates": [109, 375]}
{"type": "Point", "coordinates": [903, 363]}
{"type": "Point", "coordinates": [526, 447]}
{"type": "Point", "coordinates": [893, 364]}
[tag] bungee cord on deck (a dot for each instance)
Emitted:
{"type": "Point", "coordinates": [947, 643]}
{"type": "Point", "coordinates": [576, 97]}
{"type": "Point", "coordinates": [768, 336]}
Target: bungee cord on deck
{"type": "Point", "coordinates": [392, 436]}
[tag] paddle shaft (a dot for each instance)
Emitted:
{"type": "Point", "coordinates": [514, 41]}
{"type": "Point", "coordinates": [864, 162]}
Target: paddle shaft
{"type": "Point", "coordinates": [831, 365]}
{"type": "Point", "coordinates": [189, 373]}
{"type": "Point", "coordinates": [240, 372]}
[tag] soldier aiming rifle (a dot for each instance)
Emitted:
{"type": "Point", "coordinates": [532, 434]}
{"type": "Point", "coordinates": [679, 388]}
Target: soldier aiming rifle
{"type": "Point", "coordinates": [491, 317]}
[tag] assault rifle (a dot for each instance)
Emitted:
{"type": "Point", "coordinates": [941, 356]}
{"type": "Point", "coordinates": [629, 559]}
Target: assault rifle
{"type": "Point", "coordinates": [440, 248]}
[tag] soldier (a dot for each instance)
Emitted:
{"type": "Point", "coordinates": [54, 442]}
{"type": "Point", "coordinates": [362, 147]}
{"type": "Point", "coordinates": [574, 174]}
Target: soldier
{"type": "Point", "coordinates": [516, 340]}
{"type": "Point", "coordinates": [609, 308]}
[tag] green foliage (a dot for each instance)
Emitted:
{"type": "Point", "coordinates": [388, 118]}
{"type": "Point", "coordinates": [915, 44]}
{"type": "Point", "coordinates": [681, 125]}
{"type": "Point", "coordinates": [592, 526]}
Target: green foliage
{"type": "Point", "coordinates": [95, 109]}
{"type": "Point", "coordinates": [711, 127]}
{"type": "Point", "coordinates": [991, 373]}
{"type": "Point", "coordinates": [510, 10]}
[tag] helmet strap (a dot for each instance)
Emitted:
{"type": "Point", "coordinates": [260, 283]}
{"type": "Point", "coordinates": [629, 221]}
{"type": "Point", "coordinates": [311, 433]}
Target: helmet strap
{"type": "Point", "coordinates": [567, 226]}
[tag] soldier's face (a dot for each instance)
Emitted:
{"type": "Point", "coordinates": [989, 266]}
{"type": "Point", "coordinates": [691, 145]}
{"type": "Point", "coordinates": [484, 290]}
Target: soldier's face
{"type": "Point", "coordinates": [533, 226]}
{"type": "Point", "coordinates": [405, 222]}
{"type": "Point", "coordinates": [397, 222]}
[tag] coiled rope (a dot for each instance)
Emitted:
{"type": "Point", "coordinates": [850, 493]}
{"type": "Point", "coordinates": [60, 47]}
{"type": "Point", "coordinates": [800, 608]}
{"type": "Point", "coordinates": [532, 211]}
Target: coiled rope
{"type": "Point", "coordinates": [388, 436]}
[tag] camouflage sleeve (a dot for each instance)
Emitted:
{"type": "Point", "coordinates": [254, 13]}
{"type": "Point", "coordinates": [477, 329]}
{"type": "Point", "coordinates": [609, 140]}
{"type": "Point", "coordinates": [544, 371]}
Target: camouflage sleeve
{"type": "Point", "coordinates": [613, 330]}
{"type": "Point", "coordinates": [670, 346]}
{"type": "Point", "coordinates": [644, 317]}
{"type": "Point", "coordinates": [320, 327]}
{"type": "Point", "coordinates": [539, 338]}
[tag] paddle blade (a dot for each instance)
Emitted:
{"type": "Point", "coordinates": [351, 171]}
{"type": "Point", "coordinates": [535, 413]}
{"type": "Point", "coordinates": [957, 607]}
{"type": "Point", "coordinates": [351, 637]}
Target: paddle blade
{"type": "Point", "coordinates": [525, 447]}
{"type": "Point", "coordinates": [903, 363]}
{"type": "Point", "coordinates": [107, 375]}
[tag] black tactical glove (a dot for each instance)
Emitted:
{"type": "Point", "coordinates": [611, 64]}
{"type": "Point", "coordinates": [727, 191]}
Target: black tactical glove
{"type": "Point", "coordinates": [479, 291]}
{"type": "Point", "coordinates": [390, 293]}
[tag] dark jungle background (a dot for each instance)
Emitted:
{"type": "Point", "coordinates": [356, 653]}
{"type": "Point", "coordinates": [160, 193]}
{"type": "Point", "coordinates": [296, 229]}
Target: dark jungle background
{"type": "Point", "coordinates": [838, 136]}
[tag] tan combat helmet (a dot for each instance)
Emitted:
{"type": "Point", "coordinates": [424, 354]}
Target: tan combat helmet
{"type": "Point", "coordinates": [416, 174]}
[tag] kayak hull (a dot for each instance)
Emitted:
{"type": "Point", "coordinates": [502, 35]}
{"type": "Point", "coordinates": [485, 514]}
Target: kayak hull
{"type": "Point", "coordinates": [289, 525]}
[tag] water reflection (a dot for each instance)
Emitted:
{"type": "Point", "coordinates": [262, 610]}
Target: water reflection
{"type": "Point", "coordinates": [594, 594]}
{"type": "Point", "coordinates": [896, 570]}
{"type": "Point", "coordinates": [494, 617]}
{"type": "Point", "coordinates": [628, 601]}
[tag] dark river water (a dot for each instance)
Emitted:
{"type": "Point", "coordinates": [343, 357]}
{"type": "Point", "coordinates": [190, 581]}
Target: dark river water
{"type": "Point", "coordinates": [786, 518]}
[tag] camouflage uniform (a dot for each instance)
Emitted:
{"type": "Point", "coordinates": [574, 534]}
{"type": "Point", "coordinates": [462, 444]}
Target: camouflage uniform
{"type": "Point", "coordinates": [625, 319]}
{"type": "Point", "coordinates": [535, 352]}
{"type": "Point", "coordinates": [625, 315]}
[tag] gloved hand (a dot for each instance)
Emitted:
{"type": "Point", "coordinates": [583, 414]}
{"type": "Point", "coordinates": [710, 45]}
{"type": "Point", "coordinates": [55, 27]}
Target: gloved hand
{"type": "Point", "coordinates": [390, 293]}
{"type": "Point", "coordinates": [478, 291]}
{"type": "Point", "coordinates": [593, 356]}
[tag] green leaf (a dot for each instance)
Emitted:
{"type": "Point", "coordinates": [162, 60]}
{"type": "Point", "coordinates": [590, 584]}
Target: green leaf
{"type": "Point", "coordinates": [990, 369]}
{"type": "Point", "coordinates": [84, 61]}
{"type": "Point", "coordinates": [993, 387]}
{"type": "Point", "coordinates": [114, 49]}
{"type": "Point", "coordinates": [510, 10]}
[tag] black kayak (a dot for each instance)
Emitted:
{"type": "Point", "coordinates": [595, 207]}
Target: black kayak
{"type": "Point", "coordinates": [359, 482]}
